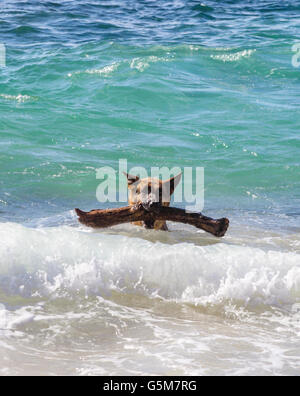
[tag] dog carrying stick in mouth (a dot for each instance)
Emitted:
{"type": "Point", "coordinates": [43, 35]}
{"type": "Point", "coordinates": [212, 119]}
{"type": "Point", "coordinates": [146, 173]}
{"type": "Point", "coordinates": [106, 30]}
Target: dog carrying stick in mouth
{"type": "Point", "coordinates": [149, 206]}
{"type": "Point", "coordinates": [151, 193]}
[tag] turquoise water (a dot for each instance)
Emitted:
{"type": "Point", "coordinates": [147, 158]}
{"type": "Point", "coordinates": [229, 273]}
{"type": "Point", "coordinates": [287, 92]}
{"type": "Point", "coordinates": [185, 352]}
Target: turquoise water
{"type": "Point", "coordinates": [159, 83]}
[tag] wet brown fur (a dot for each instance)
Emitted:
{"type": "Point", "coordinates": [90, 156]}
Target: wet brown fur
{"type": "Point", "coordinates": [143, 190]}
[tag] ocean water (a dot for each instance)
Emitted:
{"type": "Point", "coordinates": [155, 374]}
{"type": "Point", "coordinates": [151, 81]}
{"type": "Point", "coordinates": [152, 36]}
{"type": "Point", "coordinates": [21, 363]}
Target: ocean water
{"type": "Point", "coordinates": [160, 83]}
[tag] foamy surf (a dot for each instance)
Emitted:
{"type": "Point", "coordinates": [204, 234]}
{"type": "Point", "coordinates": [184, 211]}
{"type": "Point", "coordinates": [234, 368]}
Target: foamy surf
{"type": "Point", "coordinates": [209, 305]}
{"type": "Point", "coordinates": [17, 98]}
{"type": "Point", "coordinates": [234, 56]}
{"type": "Point", "coordinates": [54, 261]}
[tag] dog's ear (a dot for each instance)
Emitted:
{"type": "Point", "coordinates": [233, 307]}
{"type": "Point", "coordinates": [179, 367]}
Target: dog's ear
{"type": "Point", "coordinates": [131, 179]}
{"type": "Point", "coordinates": [170, 184]}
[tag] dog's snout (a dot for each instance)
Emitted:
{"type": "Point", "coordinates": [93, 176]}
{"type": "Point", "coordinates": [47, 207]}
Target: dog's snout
{"type": "Point", "coordinates": [151, 206]}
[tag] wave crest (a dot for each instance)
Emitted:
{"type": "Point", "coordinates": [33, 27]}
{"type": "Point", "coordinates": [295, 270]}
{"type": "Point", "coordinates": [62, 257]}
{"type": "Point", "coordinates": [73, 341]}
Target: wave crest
{"type": "Point", "coordinates": [234, 57]}
{"type": "Point", "coordinates": [65, 260]}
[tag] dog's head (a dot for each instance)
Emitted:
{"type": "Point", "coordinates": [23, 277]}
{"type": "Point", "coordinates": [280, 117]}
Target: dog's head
{"type": "Point", "coordinates": [151, 192]}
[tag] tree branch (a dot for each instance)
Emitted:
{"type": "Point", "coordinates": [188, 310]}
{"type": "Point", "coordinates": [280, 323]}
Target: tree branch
{"type": "Point", "coordinates": [109, 217]}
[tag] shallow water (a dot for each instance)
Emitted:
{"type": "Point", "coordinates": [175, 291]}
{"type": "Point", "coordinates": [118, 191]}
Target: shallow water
{"type": "Point", "coordinates": [167, 83]}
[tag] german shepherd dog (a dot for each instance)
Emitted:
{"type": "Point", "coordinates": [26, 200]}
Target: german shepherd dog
{"type": "Point", "coordinates": [151, 193]}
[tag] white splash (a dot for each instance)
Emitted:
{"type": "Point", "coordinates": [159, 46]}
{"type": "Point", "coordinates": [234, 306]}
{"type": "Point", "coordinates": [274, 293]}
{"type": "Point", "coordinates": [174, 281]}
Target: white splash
{"type": "Point", "coordinates": [142, 63]}
{"type": "Point", "coordinates": [18, 98]}
{"type": "Point", "coordinates": [54, 261]}
{"type": "Point", "coordinates": [234, 57]}
{"type": "Point", "coordinates": [104, 71]}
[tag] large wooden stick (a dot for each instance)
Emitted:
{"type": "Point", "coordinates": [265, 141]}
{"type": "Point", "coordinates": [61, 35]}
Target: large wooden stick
{"type": "Point", "coordinates": [109, 217]}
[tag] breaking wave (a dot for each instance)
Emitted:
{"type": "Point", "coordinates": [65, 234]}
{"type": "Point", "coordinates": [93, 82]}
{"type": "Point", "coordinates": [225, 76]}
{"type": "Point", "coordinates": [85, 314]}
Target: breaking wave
{"type": "Point", "coordinates": [65, 260]}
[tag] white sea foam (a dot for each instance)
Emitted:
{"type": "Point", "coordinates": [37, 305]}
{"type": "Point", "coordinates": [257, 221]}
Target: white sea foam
{"type": "Point", "coordinates": [142, 63]}
{"type": "Point", "coordinates": [104, 71]}
{"type": "Point", "coordinates": [233, 57]}
{"type": "Point", "coordinates": [54, 261]}
{"type": "Point", "coordinates": [137, 63]}
{"type": "Point", "coordinates": [10, 320]}
{"type": "Point", "coordinates": [93, 311]}
{"type": "Point", "coordinates": [18, 98]}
